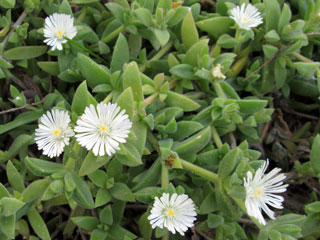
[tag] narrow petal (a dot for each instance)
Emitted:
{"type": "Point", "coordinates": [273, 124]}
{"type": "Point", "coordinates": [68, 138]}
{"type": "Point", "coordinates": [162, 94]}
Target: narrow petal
{"type": "Point", "coordinates": [176, 213]}
{"type": "Point", "coordinates": [57, 27]}
{"type": "Point", "coordinates": [102, 128]}
{"type": "Point", "coordinates": [261, 191]}
{"type": "Point", "coordinates": [53, 132]}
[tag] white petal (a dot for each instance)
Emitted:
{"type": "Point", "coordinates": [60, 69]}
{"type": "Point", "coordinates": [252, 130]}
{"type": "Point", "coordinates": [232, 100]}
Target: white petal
{"type": "Point", "coordinates": [246, 16]}
{"type": "Point", "coordinates": [183, 213]}
{"type": "Point", "coordinates": [51, 144]}
{"type": "Point", "coordinates": [58, 23]}
{"type": "Point", "coordinates": [261, 191]}
{"type": "Point", "coordinates": [102, 128]}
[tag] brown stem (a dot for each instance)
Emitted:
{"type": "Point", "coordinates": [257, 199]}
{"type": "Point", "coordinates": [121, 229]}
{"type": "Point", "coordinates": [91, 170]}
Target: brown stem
{"type": "Point", "coordinates": [83, 236]}
{"type": "Point", "coordinates": [264, 132]}
{"type": "Point", "coordinates": [203, 234]}
{"type": "Point", "coordinates": [17, 81]}
{"type": "Point", "coordinates": [22, 107]}
{"type": "Point", "coordinates": [137, 207]}
{"type": "Point", "coordinates": [301, 57]}
{"type": "Point", "coordinates": [16, 24]}
{"type": "Point", "coordinates": [266, 63]}
{"type": "Point", "coordinates": [308, 116]}
{"type": "Point", "coordinates": [283, 122]}
{"type": "Point", "coordinates": [151, 98]}
{"type": "Point", "coordinates": [233, 140]}
{"type": "Point", "coordinates": [172, 83]}
{"type": "Point", "coordinates": [246, 221]}
{"type": "Point", "coordinates": [313, 33]}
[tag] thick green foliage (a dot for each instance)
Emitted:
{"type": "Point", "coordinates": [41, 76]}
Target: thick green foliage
{"type": "Point", "coordinates": [193, 131]}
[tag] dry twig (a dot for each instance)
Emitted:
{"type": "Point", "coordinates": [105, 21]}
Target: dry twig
{"type": "Point", "coordinates": [203, 234]}
{"type": "Point", "coordinates": [259, 68]}
{"type": "Point", "coordinates": [233, 140]}
{"type": "Point", "coordinates": [13, 28]}
{"type": "Point", "coordinates": [22, 107]}
{"type": "Point", "coordinates": [17, 81]}
{"type": "Point", "coordinates": [312, 33]}
{"type": "Point", "coordinates": [247, 221]}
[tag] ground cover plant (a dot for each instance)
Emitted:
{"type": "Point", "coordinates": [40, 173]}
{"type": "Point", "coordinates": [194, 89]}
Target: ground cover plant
{"type": "Point", "coordinates": [159, 119]}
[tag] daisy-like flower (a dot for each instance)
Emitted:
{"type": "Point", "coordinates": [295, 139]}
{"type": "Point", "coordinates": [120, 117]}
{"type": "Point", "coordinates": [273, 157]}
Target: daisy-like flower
{"type": "Point", "coordinates": [262, 189]}
{"type": "Point", "coordinates": [176, 213]}
{"type": "Point", "coordinates": [103, 128]}
{"type": "Point", "coordinates": [57, 27]}
{"type": "Point", "coordinates": [53, 132]}
{"type": "Point", "coordinates": [246, 16]}
{"type": "Point", "coordinates": [216, 72]}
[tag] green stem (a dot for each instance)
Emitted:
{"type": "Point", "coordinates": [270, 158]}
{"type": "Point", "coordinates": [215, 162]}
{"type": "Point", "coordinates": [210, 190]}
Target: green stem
{"type": "Point", "coordinates": [154, 142]}
{"type": "Point", "coordinates": [237, 67]}
{"type": "Point", "coordinates": [108, 98]}
{"type": "Point", "coordinates": [164, 184]}
{"type": "Point", "coordinates": [237, 48]}
{"type": "Point", "coordinates": [166, 236]}
{"type": "Point", "coordinates": [200, 171]}
{"type": "Point", "coordinates": [158, 55]}
{"type": "Point", "coordinates": [216, 137]}
{"type": "Point", "coordinates": [70, 163]}
{"type": "Point", "coordinates": [70, 226]}
{"type": "Point", "coordinates": [245, 52]}
{"type": "Point", "coordinates": [218, 89]}
{"type": "Point", "coordinates": [162, 51]}
{"type": "Point", "coordinates": [164, 175]}
{"type": "Point", "coordinates": [113, 34]}
{"type": "Point", "coordinates": [81, 47]}
{"type": "Point", "coordinates": [301, 57]}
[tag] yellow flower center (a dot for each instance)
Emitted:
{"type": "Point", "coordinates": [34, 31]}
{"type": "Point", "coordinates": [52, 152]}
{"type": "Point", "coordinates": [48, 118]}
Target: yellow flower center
{"type": "Point", "coordinates": [257, 192]}
{"type": "Point", "coordinates": [59, 33]}
{"type": "Point", "coordinates": [103, 128]}
{"type": "Point", "coordinates": [171, 212]}
{"type": "Point", "coordinates": [245, 19]}
{"type": "Point", "coordinates": [56, 132]}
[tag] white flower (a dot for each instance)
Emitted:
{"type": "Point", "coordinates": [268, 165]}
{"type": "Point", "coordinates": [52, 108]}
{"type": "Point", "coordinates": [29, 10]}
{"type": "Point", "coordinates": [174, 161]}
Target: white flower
{"type": "Point", "coordinates": [216, 72]}
{"type": "Point", "coordinates": [102, 129]}
{"type": "Point", "coordinates": [176, 213]}
{"type": "Point", "coordinates": [261, 190]}
{"type": "Point", "coordinates": [246, 16]}
{"type": "Point", "coordinates": [57, 27]}
{"type": "Point", "coordinates": [53, 132]}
